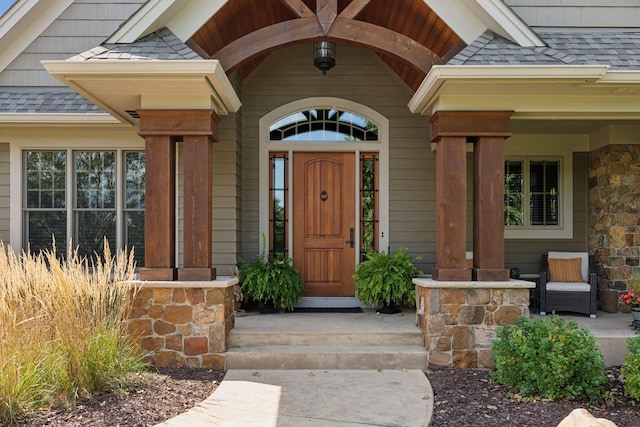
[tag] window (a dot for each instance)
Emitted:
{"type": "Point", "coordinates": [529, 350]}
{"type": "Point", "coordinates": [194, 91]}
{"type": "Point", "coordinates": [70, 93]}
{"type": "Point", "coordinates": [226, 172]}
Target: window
{"type": "Point", "coordinates": [368, 204]}
{"type": "Point", "coordinates": [532, 193]}
{"type": "Point", "coordinates": [134, 202]}
{"type": "Point", "coordinates": [278, 195]}
{"type": "Point", "coordinates": [45, 200]}
{"type": "Point", "coordinates": [323, 125]}
{"type": "Point", "coordinates": [95, 213]}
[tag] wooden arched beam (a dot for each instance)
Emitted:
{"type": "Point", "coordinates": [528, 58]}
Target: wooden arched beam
{"type": "Point", "coordinates": [377, 38]}
{"type": "Point", "coordinates": [267, 39]}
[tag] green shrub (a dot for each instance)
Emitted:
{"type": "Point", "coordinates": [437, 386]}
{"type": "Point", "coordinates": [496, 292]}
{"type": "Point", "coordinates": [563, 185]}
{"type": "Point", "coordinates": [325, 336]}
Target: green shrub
{"type": "Point", "coordinates": [387, 279]}
{"type": "Point", "coordinates": [631, 369]}
{"type": "Point", "coordinates": [550, 358]}
{"type": "Point", "coordinates": [273, 281]}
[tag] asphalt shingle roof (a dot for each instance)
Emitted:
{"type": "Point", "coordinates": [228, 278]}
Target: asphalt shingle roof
{"type": "Point", "coordinates": [620, 50]}
{"type": "Point", "coordinates": [161, 45]}
{"type": "Point", "coordinates": [44, 100]}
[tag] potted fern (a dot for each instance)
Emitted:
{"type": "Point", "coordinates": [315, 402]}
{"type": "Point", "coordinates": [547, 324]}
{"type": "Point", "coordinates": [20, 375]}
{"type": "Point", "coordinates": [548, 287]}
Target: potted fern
{"type": "Point", "coordinates": [386, 279]}
{"type": "Point", "coordinates": [272, 281]}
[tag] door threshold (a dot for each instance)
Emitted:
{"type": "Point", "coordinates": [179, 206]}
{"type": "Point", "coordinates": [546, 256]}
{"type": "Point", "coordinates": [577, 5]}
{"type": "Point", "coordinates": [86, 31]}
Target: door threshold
{"type": "Point", "coordinates": [329, 302]}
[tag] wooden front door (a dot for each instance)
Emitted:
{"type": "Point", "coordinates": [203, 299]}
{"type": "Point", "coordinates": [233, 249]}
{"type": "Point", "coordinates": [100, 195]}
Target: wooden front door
{"type": "Point", "coordinates": [324, 222]}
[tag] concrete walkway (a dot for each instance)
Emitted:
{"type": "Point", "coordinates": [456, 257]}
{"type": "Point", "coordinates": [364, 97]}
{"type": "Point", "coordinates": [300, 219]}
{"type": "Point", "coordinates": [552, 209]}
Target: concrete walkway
{"type": "Point", "coordinates": [314, 398]}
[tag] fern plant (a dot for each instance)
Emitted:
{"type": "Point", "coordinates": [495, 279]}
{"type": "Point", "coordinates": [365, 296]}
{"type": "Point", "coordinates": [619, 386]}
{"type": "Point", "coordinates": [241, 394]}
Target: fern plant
{"type": "Point", "coordinates": [384, 278]}
{"type": "Point", "coordinates": [271, 280]}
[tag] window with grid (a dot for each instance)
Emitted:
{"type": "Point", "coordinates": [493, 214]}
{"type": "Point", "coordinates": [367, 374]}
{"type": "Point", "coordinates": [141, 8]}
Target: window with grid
{"type": "Point", "coordinates": [95, 213]}
{"type": "Point", "coordinates": [329, 125]}
{"type": "Point", "coordinates": [44, 201]}
{"type": "Point", "coordinates": [134, 202]}
{"type": "Point", "coordinates": [368, 204]}
{"type": "Point", "coordinates": [278, 194]}
{"type": "Point", "coordinates": [532, 193]}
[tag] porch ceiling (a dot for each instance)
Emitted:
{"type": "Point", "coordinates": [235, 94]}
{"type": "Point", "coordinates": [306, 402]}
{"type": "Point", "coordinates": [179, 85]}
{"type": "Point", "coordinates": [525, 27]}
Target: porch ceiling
{"type": "Point", "coordinates": [409, 37]}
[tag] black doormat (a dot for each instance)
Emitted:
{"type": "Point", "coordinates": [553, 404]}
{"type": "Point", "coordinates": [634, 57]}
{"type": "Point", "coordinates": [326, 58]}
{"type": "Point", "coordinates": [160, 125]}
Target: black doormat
{"type": "Point", "coordinates": [327, 310]}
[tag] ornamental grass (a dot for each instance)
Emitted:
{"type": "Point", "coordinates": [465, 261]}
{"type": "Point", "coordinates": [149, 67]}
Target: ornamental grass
{"type": "Point", "coordinates": [62, 334]}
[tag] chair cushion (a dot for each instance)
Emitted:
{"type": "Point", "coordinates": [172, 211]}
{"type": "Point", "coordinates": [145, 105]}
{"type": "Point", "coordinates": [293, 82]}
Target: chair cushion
{"type": "Point", "coordinates": [584, 265]}
{"type": "Point", "coordinates": [565, 270]}
{"type": "Point", "coordinates": [568, 287]}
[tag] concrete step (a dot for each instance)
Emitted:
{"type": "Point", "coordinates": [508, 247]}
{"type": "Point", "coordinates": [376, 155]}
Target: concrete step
{"type": "Point", "coordinates": [280, 338]}
{"type": "Point", "coordinates": [327, 357]}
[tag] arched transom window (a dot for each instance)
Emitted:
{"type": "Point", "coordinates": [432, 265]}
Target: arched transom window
{"type": "Point", "coordinates": [330, 125]}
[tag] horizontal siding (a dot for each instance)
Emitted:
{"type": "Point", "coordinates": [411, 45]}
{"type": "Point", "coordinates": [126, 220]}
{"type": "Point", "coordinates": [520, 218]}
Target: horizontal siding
{"type": "Point", "coordinates": [4, 193]}
{"type": "Point", "coordinates": [578, 13]}
{"type": "Point", "coordinates": [84, 25]}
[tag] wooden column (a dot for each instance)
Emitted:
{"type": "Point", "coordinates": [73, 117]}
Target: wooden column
{"type": "Point", "coordinates": [160, 208]}
{"type": "Point", "coordinates": [451, 209]}
{"type": "Point", "coordinates": [450, 129]}
{"type": "Point", "coordinates": [196, 128]}
{"type": "Point", "coordinates": [197, 209]}
{"type": "Point", "coordinates": [488, 209]}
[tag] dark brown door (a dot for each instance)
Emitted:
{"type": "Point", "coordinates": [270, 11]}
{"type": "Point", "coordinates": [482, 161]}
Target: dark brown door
{"type": "Point", "coordinates": [324, 221]}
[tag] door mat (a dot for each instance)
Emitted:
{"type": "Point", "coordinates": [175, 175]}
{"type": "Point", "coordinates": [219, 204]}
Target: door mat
{"type": "Point", "coordinates": [327, 310]}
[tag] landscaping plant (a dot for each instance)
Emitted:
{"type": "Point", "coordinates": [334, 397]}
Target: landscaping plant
{"type": "Point", "coordinates": [271, 280]}
{"type": "Point", "coordinates": [384, 278]}
{"type": "Point", "coordinates": [631, 369]}
{"type": "Point", "coordinates": [550, 358]}
{"type": "Point", "coordinates": [62, 334]}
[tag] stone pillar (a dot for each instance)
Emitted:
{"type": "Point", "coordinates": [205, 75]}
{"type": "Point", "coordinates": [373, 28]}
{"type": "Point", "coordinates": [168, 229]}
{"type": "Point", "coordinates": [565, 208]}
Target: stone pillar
{"type": "Point", "coordinates": [161, 129]}
{"type": "Point", "coordinates": [451, 130]}
{"type": "Point", "coordinates": [614, 227]}
{"type": "Point", "coordinates": [488, 210]}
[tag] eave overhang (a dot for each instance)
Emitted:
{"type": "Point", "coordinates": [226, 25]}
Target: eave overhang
{"type": "Point", "coordinates": [533, 92]}
{"type": "Point", "coordinates": [123, 87]}
{"type": "Point", "coordinates": [48, 119]}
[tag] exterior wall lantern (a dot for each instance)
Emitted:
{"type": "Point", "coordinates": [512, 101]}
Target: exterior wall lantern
{"type": "Point", "coordinates": [324, 55]}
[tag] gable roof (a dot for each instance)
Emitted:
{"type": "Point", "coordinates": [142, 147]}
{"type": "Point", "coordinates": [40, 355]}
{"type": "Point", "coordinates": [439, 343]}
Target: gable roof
{"type": "Point", "coordinates": [618, 49]}
{"type": "Point", "coordinates": [160, 45]}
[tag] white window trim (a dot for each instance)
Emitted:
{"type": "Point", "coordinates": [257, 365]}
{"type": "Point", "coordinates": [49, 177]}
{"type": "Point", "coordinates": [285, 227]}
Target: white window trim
{"type": "Point", "coordinates": [565, 229]}
{"type": "Point", "coordinates": [381, 147]}
{"type": "Point", "coordinates": [16, 182]}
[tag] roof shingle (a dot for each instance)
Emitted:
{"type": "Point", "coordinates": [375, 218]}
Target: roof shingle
{"type": "Point", "coordinates": [619, 49]}
{"type": "Point", "coordinates": [161, 45]}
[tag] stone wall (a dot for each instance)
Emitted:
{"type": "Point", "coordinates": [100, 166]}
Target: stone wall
{"type": "Point", "coordinates": [459, 319]}
{"type": "Point", "coordinates": [614, 232]}
{"type": "Point", "coordinates": [183, 323]}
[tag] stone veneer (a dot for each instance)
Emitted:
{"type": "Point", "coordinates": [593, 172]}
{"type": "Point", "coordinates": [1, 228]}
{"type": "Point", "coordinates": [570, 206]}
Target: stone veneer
{"type": "Point", "coordinates": [183, 323]}
{"type": "Point", "coordinates": [614, 232]}
{"type": "Point", "coordinates": [459, 319]}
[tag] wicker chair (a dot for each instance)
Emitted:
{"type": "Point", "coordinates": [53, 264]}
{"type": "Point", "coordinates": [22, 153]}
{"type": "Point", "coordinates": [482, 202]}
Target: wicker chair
{"type": "Point", "coordinates": [579, 297]}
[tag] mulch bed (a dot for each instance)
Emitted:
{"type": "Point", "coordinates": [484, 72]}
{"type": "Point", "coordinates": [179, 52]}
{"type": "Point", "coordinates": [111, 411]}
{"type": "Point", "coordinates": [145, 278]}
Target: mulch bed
{"type": "Point", "coordinates": [469, 398]}
{"type": "Point", "coordinates": [462, 398]}
{"type": "Point", "coordinates": [154, 397]}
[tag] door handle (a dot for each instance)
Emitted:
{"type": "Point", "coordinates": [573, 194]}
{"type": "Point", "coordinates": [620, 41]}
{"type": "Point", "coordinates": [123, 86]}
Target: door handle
{"type": "Point", "coordinates": [351, 240]}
